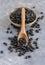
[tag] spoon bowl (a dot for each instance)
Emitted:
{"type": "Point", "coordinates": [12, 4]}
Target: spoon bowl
{"type": "Point", "coordinates": [23, 35]}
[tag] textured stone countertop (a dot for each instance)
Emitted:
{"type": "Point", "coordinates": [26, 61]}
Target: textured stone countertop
{"type": "Point", "coordinates": [38, 56]}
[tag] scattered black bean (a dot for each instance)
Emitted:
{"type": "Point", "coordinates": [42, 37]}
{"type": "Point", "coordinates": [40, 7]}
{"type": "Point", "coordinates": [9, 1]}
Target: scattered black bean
{"type": "Point", "coordinates": [26, 57]}
{"type": "Point", "coordinates": [8, 28]}
{"type": "Point", "coordinates": [35, 42]}
{"type": "Point", "coordinates": [36, 38]}
{"type": "Point", "coordinates": [29, 56]}
{"type": "Point", "coordinates": [37, 47]}
{"type": "Point", "coordinates": [42, 17]}
{"type": "Point", "coordinates": [10, 31]}
{"type": "Point", "coordinates": [9, 48]}
{"type": "Point", "coordinates": [41, 12]}
{"type": "Point", "coordinates": [33, 7]}
{"type": "Point", "coordinates": [10, 38]}
{"type": "Point", "coordinates": [7, 31]}
{"type": "Point", "coordinates": [1, 51]}
{"type": "Point", "coordinates": [5, 43]}
{"type": "Point", "coordinates": [39, 29]}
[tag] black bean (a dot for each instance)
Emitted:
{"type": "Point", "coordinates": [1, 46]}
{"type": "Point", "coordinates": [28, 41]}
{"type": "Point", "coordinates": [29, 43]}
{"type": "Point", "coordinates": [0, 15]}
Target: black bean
{"type": "Point", "coordinates": [42, 17]}
{"type": "Point", "coordinates": [5, 43]}
{"type": "Point", "coordinates": [9, 48]}
{"type": "Point", "coordinates": [36, 38]}
{"type": "Point", "coordinates": [26, 57]}
{"type": "Point", "coordinates": [8, 28]}
{"type": "Point", "coordinates": [35, 42]}
{"type": "Point", "coordinates": [10, 31]}
{"type": "Point", "coordinates": [19, 54]}
{"type": "Point", "coordinates": [29, 56]}
{"type": "Point", "coordinates": [37, 31]}
{"type": "Point", "coordinates": [7, 31]}
{"type": "Point", "coordinates": [41, 12]}
{"type": "Point", "coordinates": [33, 7]}
{"type": "Point", "coordinates": [37, 47]}
{"type": "Point", "coordinates": [1, 51]}
{"type": "Point", "coordinates": [10, 38]}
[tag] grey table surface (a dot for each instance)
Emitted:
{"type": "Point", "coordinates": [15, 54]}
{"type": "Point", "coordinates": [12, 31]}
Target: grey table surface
{"type": "Point", "coordinates": [38, 56]}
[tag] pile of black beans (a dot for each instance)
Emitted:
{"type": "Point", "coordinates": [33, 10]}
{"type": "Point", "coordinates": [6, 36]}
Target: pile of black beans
{"type": "Point", "coordinates": [32, 44]}
{"type": "Point", "coordinates": [16, 16]}
{"type": "Point", "coordinates": [22, 49]}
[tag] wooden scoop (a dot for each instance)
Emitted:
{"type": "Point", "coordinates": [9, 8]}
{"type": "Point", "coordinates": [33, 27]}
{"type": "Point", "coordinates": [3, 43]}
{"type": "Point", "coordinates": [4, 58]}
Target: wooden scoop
{"type": "Point", "coordinates": [23, 33]}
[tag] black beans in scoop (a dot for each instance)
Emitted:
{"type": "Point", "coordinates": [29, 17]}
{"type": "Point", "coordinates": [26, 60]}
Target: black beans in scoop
{"type": "Point", "coordinates": [22, 41]}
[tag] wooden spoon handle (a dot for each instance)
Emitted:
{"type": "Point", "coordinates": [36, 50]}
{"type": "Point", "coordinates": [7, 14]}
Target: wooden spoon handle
{"type": "Point", "coordinates": [23, 19]}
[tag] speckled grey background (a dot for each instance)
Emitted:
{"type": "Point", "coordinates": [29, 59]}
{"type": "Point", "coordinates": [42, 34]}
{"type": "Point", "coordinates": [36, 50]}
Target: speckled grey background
{"type": "Point", "coordinates": [38, 56]}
